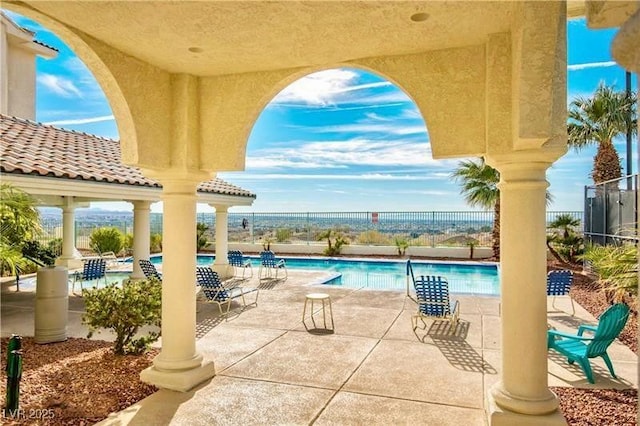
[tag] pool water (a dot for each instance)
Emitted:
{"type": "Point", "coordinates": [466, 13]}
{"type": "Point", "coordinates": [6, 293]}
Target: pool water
{"type": "Point", "coordinates": [463, 277]}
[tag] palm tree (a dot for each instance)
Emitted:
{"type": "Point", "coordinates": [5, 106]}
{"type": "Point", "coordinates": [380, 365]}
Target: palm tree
{"type": "Point", "coordinates": [480, 188]}
{"type": "Point", "coordinates": [566, 223]}
{"type": "Point", "coordinates": [19, 223]}
{"type": "Point", "coordinates": [598, 120]}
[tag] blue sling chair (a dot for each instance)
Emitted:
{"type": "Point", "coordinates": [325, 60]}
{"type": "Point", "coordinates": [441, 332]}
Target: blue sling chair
{"type": "Point", "coordinates": [215, 292]}
{"type": "Point", "coordinates": [269, 263]}
{"type": "Point", "coordinates": [238, 261]}
{"type": "Point", "coordinates": [93, 269]}
{"type": "Point", "coordinates": [149, 269]}
{"type": "Point", "coordinates": [577, 347]}
{"type": "Point", "coordinates": [432, 296]}
{"type": "Point", "coordinates": [559, 284]}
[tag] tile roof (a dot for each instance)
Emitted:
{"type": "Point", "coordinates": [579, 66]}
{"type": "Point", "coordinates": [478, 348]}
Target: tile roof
{"type": "Point", "coordinates": [27, 147]}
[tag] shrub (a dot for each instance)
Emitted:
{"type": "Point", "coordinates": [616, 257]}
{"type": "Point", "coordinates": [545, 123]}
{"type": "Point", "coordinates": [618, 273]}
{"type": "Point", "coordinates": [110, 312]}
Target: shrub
{"type": "Point", "coordinates": [38, 254]}
{"type": "Point", "coordinates": [128, 243]}
{"type": "Point", "coordinates": [124, 310]}
{"type": "Point", "coordinates": [106, 239]}
{"type": "Point", "coordinates": [55, 246]}
{"type": "Point", "coordinates": [616, 266]}
{"type": "Point", "coordinates": [283, 235]}
{"type": "Point", "coordinates": [373, 237]}
{"type": "Point", "coordinates": [201, 238]}
{"type": "Point", "coordinates": [155, 243]}
{"type": "Point", "coordinates": [333, 247]}
{"type": "Point", "coordinates": [402, 244]}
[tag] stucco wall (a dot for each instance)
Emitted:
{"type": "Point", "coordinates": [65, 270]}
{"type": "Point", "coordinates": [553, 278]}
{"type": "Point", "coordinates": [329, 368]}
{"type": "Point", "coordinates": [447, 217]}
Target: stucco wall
{"type": "Point", "coordinates": [21, 83]}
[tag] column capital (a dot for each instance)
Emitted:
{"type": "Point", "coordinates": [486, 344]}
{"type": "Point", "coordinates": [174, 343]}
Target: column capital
{"type": "Point", "coordinates": [141, 204]}
{"type": "Point", "coordinates": [178, 180]}
{"type": "Point", "coordinates": [531, 158]}
{"type": "Point", "coordinates": [220, 208]}
{"type": "Point", "coordinates": [625, 44]}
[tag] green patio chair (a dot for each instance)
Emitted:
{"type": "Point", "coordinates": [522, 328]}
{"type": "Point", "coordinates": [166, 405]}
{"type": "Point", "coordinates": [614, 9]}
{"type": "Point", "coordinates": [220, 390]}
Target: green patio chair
{"type": "Point", "coordinates": [577, 347]}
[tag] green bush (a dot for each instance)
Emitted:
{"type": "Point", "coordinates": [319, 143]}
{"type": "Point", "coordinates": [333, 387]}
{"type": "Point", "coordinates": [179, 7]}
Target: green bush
{"type": "Point", "coordinates": [106, 239]}
{"type": "Point", "coordinates": [128, 243]}
{"type": "Point", "coordinates": [402, 244]}
{"type": "Point", "coordinates": [373, 237]}
{"type": "Point", "coordinates": [616, 266]}
{"type": "Point", "coordinates": [38, 254]}
{"type": "Point", "coordinates": [124, 310]}
{"type": "Point", "coordinates": [333, 247]}
{"type": "Point", "coordinates": [201, 237]}
{"type": "Point", "coordinates": [155, 243]}
{"type": "Point", "coordinates": [55, 246]}
{"type": "Point", "coordinates": [283, 235]}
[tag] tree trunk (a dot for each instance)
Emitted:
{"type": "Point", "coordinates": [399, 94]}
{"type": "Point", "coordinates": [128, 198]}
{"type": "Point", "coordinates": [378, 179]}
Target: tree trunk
{"type": "Point", "coordinates": [496, 230]}
{"type": "Point", "coordinates": [606, 163]}
{"type": "Point", "coordinates": [555, 254]}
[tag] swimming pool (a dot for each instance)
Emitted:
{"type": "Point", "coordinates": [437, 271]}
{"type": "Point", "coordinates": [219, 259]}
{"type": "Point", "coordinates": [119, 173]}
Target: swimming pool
{"type": "Point", "coordinates": [376, 274]}
{"type": "Point", "coordinates": [380, 274]}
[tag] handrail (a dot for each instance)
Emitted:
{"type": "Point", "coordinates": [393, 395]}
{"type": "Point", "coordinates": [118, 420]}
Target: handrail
{"type": "Point", "coordinates": [413, 278]}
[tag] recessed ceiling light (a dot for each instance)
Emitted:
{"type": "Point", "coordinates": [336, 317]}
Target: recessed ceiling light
{"type": "Point", "coordinates": [419, 17]}
{"type": "Point", "coordinates": [195, 49]}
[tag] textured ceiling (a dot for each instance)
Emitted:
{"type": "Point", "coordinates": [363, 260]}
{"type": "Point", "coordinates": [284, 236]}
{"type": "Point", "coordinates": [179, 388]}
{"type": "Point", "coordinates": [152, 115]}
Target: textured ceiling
{"type": "Point", "coordinates": [245, 36]}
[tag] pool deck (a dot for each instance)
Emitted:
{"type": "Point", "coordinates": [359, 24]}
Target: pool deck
{"type": "Point", "coordinates": [373, 370]}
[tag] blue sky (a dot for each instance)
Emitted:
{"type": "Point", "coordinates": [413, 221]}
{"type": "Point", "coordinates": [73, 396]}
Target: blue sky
{"type": "Point", "coordinates": [338, 140]}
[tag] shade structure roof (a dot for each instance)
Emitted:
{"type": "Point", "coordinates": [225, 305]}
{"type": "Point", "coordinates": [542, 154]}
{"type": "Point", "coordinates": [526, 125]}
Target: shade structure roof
{"type": "Point", "coordinates": [37, 150]}
{"type": "Point", "coordinates": [222, 37]}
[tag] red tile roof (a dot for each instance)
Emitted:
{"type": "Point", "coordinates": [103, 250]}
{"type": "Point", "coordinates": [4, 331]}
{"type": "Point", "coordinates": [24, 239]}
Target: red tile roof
{"type": "Point", "coordinates": [27, 147]}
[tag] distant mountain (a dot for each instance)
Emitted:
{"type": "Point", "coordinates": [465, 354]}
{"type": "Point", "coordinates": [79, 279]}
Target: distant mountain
{"type": "Point", "coordinates": [53, 211]}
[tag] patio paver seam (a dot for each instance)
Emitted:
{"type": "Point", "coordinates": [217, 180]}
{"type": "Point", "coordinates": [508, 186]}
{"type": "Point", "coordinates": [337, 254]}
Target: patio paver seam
{"type": "Point", "coordinates": [345, 382]}
{"type": "Point", "coordinates": [248, 355]}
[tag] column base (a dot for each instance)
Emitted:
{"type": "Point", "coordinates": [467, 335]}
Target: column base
{"type": "Point", "coordinates": [179, 380]}
{"type": "Point", "coordinates": [499, 416]}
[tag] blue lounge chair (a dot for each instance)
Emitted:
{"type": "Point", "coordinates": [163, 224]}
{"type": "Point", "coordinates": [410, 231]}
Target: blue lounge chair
{"type": "Point", "coordinates": [559, 284]}
{"type": "Point", "coordinates": [432, 296]}
{"type": "Point", "coordinates": [269, 263]}
{"type": "Point", "coordinates": [577, 347]}
{"type": "Point", "coordinates": [238, 261]}
{"type": "Point", "coordinates": [93, 269]}
{"type": "Point", "coordinates": [149, 269]}
{"type": "Point", "coordinates": [215, 292]}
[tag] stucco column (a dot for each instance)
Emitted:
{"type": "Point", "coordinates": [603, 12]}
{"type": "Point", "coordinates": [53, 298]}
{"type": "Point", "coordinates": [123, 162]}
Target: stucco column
{"type": "Point", "coordinates": [221, 264]}
{"type": "Point", "coordinates": [178, 366]}
{"type": "Point", "coordinates": [70, 256]}
{"type": "Point", "coordinates": [523, 388]}
{"type": "Point", "coordinates": [141, 235]}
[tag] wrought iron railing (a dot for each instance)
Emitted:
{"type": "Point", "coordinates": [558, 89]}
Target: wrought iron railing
{"type": "Point", "coordinates": [430, 229]}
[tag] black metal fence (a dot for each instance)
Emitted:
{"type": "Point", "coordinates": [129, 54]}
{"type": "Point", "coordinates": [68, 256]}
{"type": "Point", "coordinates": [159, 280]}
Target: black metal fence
{"type": "Point", "coordinates": [611, 211]}
{"type": "Point", "coordinates": [431, 229]}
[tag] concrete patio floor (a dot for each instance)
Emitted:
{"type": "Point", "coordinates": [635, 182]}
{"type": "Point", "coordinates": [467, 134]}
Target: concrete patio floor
{"type": "Point", "coordinates": [373, 370]}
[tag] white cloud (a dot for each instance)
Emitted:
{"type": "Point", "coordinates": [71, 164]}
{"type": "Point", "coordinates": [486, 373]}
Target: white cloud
{"type": "Point", "coordinates": [390, 128]}
{"type": "Point", "coordinates": [331, 87]}
{"type": "Point", "coordinates": [318, 88]}
{"type": "Point", "coordinates": [81, 120]}
{"type": "Point", "coordinates": [260, 177]}
{"type": "Point", "coordinates": [578, 67]}
{"type": "Point", "coordinates": [59, 85]}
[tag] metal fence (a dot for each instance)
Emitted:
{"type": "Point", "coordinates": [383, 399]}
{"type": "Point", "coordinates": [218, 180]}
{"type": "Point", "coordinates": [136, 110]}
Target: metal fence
{"type": "Point", "coordinates": [611, 212]}
{"type": "Point", "coordinates": [431, 229]}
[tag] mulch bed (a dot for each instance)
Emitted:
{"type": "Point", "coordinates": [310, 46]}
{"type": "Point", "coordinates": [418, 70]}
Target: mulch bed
{"type": "Point", "coordinates": [76, 382]}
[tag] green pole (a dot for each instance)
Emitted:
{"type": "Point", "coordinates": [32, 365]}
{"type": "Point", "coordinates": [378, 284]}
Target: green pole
{"type": "Point", "coordinates": [14, 374]}
{"type": "Point", "coordinates": [15, 344]}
